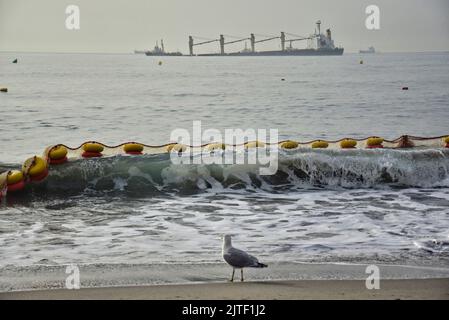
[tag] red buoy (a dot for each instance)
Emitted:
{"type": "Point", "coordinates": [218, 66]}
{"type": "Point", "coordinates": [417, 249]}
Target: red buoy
{"type": "Point", "coordinates": [89, 154]}
{"type": "Point", "coordinates": [58, 161]}
{"type": "Point", "coordinates": [134, 152]}
{"type": "Point", "coordinates": [16, 186]}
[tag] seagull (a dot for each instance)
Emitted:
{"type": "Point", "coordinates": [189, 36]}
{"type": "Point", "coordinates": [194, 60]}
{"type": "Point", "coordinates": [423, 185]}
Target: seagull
{"type": "Point", "coordinates": [238, 259]}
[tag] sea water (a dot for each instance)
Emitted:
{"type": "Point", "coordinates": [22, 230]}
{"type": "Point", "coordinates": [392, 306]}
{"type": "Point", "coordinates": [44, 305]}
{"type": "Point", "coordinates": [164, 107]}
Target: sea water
{"type": "Point", "coordinates": [376, 206]}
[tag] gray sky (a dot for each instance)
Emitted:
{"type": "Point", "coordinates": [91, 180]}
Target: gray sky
{"type": "Point", "coordinates": [125, 25]}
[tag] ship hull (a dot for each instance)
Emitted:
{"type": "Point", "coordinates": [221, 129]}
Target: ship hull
{"type": "Point", "coordinates": [292, 52]}
{"type": "Point", "coordinates": [151, 54]}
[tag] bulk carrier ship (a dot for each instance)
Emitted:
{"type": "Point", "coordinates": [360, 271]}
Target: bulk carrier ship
{"type": "Point", "coordinates": [324, 45]}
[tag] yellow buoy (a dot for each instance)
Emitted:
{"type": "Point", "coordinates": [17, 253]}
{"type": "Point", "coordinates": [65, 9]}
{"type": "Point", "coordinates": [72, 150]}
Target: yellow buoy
{"type": "Point", "coordinates": [348, 143]}
{"type": "Point", "coordinates": [35, 167]}
{"type": "Point", "coordinates": [58, 152]}
{"type": "Point", "coordinates": [446, 140]}
{"type": "Point", "coordinates": [160, 63]}
{"type": "Point", "coordinates": [289, 144]}
{"type": "Point", "coordinates": [215, 146]}
{"type": "Point", "coordinates": [15, 181]}
{"type": "Point", "coordinates": [255, 144]}
{"type": "Point", "coordinates": [320, 144]}
{"type": "Point", "coordinates": [14, 177]}
{"type": "Point", "coordinates": [133, 148]}
{"type": "Point", "coordinates": [93, 147]}
{"type": "Point", "coordinates": [176, 147]}
{"type": "Point", "coordinates": [374, 141]}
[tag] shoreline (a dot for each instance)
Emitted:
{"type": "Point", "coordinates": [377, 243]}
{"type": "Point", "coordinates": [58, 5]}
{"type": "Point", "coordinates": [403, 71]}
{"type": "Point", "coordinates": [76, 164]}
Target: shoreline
{"type": "Point", "coordinates": [140, 280]}
{"type": "Point", "coordinates": [258, 290]}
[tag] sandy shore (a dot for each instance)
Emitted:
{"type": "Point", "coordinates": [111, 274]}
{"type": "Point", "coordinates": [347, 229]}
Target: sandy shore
{"type": "Point", "coordinates": [300, 289]}
{"type": "Point", "coordinates": [208, 281]}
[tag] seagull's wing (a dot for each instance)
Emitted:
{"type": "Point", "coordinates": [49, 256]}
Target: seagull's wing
{"type": "Point", "coordinates": [239, 259]}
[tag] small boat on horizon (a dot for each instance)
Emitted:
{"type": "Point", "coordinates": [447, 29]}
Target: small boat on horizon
{"type": "Point", "coordinates": [370, 50]}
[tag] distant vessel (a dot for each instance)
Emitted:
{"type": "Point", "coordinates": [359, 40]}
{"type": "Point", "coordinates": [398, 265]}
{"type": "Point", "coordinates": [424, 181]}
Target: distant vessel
{"type": "Point", "coordinates": [324, 45]}
{"type": "Point", "coordinates": [370, 50]}
{"type": "Point", "coordinates": [160, 51]}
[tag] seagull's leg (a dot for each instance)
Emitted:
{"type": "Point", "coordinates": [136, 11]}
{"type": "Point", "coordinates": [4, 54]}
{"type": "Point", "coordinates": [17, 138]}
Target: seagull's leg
{"type": "Point", "coordinates": [232, 276]}
{"type": "Point", "coordinates": [241, 274]}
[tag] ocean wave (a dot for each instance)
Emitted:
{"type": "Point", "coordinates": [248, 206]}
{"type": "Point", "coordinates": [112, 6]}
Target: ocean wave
{"type": "Point", "coordinates": [157, 174]}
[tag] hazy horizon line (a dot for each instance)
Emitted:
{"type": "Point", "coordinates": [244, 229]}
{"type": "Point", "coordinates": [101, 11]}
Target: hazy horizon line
{"type": "Point", "coordinates": [133, 53]}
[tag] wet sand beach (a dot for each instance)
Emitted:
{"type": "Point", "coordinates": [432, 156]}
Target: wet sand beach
{"type": "Point", "coordinates": [300, 289]}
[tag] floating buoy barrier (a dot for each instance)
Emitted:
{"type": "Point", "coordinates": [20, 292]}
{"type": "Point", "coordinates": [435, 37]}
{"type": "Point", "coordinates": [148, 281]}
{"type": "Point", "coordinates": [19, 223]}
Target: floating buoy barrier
{"type": "Point", "coordinates": [289, 144]}
{"type": "Point", "coordinates": [348, 144]}
{"type": "Point", "coordinates": [215, 146]}
{"type": "Point", "coordinates": [57, 155]}
{"type": "Point", "coordinates": [15, 181]}
{"type": "Point", "coordinates": [35, 168]}
{"type": "Point", "coordinates": [320, 144]}
{"type": "Point", "coordinates": [133, 148]}
{"type": "Point", "coordinates": [92, 150]}
{"type": "Point", "coordinates": [254, 144]}
{"type": "Point", "coordinates": [374, 142]}
{"type": "Point", "coordinates": [3, 89]}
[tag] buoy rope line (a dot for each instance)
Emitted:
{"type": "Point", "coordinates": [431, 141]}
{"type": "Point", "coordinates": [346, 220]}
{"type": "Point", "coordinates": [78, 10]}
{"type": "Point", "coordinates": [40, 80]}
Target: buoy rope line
{"type": "Point", "coordinates": [35, 169]}
{"type": "Point", "coordinates": [266, 143]}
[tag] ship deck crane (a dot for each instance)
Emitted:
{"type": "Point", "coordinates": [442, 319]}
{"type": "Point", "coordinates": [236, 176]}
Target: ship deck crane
{"type": "Point", "coordinates": [239, 40]}
{"type": "Point", "coordinates": [192, 44]}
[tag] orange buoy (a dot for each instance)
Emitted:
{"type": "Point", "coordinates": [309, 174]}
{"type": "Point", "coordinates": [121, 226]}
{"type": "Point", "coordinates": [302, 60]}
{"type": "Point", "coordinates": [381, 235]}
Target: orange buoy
{"type": "Point", "coordinates": [92, 150]}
